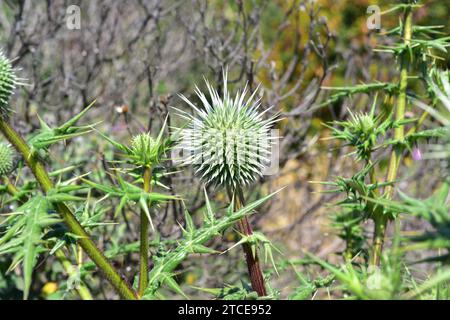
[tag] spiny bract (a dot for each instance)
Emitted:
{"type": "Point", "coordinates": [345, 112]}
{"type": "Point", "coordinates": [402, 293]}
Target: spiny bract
{"type": "Point", "coordinates": [8, 82]}
{"type": "Point", "coordinates": [145, 149]}
{"type": "Point", "coordinates": [6, 159]}
{"type": "Point", "coordinates": [228, 141]}
{"type": "Point", "coordinates": [440, 85]}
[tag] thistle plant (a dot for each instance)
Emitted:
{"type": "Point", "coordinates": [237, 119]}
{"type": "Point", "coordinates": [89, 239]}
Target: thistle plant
{"type": "Point", "coordinates": [114, 206]}
{"type": "Point", "coordinates": [393, 279]}
{"type": "Point", "coordinates": [59, 220]}
{"type": "Point", "coordinates": [8, 81]}
{"type": "Point", "coordinates": [229, 144]}
{"type": "Point", "coordinates": [385, 127]}
{"type": "Point", "coordinates": [145, 153]}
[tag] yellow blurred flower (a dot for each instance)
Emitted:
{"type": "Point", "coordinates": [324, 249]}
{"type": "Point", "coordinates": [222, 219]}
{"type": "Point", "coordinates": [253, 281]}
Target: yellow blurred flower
{"type": "Point", "coordinates": [231, 236]}
{"type": "Point", "coordinates": [191, 278]}
{"type": "Point", "coordinates": [49, 288]}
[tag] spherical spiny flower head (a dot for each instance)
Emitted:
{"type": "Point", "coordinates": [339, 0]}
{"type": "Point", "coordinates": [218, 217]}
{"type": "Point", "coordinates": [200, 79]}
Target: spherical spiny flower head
{"type": "Point", "coordinates": [8, 82]}
{"type": "Point", "coordinates": [6, 159]}
{"type": "Point", "coordinates": [228, 140]}
{"type": "Point", "coordinates": [145, 150]}
{"type": "Point", "coordinates": [363, 132]}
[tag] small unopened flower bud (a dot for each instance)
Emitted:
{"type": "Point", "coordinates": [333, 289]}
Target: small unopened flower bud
{"type": "Point", "coordinates": [145, 150]}
{"type": "Point", "coordinates": [6, 159]}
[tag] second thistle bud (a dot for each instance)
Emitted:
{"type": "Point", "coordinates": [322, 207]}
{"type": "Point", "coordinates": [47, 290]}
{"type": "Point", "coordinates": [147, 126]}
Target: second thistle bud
{"type": "Point", "coordinates": [6, 159]}
{"type": "Point", "coordinates": [145, 150]}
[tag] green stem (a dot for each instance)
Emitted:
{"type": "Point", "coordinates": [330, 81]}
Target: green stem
{"type": "Point", "coordinates": [380, 222]}
{"type": "Point", "coordinates": [144, 245]}
{"type": "Point", "coordinates": [82, 290]}
{"type": "Point", "coordinates": [72, 223]}
{"type": "Point", "coordinates": [399, 134]}
{"type": "Point", "coordinates": [13, 191]}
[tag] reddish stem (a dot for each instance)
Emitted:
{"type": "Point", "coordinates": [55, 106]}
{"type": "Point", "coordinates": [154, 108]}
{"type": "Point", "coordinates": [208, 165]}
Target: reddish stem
{"type": "Point", "coordinates": [254, 268]}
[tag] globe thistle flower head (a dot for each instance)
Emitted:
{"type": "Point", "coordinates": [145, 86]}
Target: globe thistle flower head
{"type": "Point", "coordinates": [6, 159]}
{"type": "Point", "coordinates": [8, 83]}
{"type": "Point", "coordinates": [229, 140]}
{"type": "Point", "coordinates": [145, 150]}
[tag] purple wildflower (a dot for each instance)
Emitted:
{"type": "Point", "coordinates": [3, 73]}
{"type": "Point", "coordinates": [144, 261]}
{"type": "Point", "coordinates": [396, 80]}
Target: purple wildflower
{"type": "Point", "coordinates": [416, 154]}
